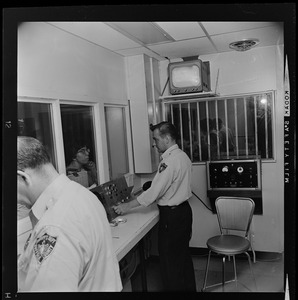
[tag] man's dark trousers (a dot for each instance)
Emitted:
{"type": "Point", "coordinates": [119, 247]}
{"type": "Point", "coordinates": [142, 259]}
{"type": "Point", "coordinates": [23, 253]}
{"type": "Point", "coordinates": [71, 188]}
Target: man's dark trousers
{"type": "Point", "coordinates": [175, 228]}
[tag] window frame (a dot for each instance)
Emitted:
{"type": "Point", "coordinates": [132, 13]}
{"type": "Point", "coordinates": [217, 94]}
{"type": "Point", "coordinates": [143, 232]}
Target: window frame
{"type": "Point", "coordinates": [128, 135]}
{"type": "Point", "coordinates": [187, 99]}
{"type": "Point", "coordinates": [96, 128]}
{"type": "Point", "coordinates": [59, 156]}
{"type": "Point", "coordinates": [99, 132]}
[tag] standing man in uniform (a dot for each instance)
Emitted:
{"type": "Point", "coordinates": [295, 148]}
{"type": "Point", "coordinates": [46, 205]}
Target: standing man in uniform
{"type": "Point", "coordinates": [70, 247]}
{"type": "Point", "coordinates": [171, 189]}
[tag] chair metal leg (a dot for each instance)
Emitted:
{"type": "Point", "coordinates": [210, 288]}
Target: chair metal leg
{"type": "Point", "coordinates": [206, 272]}
{"type": "Point", "coordinates": [251, 271]}
{"type": "Point", "coordinates": [235, 272]}
{"type": "Point", "coordinates": [223, 273]}
{"type": "Point", "coordinates": [253, 254]}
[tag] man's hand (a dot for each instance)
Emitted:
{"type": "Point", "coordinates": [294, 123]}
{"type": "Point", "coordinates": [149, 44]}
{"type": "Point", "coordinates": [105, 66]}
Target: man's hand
{"type": "Point", "coordinates": [122, 208]}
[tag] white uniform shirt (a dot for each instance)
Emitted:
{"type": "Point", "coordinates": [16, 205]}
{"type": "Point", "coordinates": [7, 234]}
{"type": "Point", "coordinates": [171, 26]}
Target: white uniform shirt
{"type": "Point", "coordinates": [24, 230]}
{"type": "Point", "coordinates": [70, 248]}
{"type": "Point", "coordinates": [171, 184]}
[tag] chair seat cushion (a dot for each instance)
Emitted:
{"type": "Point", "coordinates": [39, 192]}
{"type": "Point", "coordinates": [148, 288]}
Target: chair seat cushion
{"type": "Point", "coordinates": [228, 244]}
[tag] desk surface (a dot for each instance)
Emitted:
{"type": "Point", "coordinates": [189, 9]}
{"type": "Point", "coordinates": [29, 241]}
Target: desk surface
{"type": "Point", "coordinates": [125, 236]}
{"type": "Point", "coordinates": [139, 221]}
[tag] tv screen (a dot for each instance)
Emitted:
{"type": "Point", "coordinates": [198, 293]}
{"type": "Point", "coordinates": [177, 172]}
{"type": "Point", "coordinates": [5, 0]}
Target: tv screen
{"type": "Point", "coordinates": [189, 77]}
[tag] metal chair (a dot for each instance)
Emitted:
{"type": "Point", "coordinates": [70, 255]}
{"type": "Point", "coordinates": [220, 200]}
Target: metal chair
{"type": "Point", "coordinates": [234, 214]}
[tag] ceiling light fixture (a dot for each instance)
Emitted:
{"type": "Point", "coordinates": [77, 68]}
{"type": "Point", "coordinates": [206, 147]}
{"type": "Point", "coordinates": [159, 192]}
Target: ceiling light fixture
{"type": "Point", "coordinates": [244, 45]}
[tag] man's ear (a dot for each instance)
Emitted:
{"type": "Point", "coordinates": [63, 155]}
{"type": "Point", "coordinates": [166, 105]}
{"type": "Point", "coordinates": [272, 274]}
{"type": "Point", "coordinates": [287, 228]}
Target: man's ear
{"type": "Point", "coordinates": [168, 139]}
{"type": "Point", "coordinates": [24, 176]}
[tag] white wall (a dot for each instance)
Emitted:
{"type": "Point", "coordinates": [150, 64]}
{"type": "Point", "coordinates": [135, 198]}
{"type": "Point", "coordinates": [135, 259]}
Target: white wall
{"type": "Point", "coordinates": [257, 70]}
{"type": "Point", "coordinates": [56, 64]}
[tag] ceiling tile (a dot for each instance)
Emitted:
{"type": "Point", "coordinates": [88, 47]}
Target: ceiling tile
{"type": "Point", "coordinates": [214, 28]}
{"type": "Point", "coordinates": [98, 33]}
{"type": "Point", "coordinates": [145, 32]}
{"type": "Point", "coordinates": [137, 51]}
{"type": "Point", "coordinates": [193, 47]}
{"type": "Point", "coordinates": [182, 30]}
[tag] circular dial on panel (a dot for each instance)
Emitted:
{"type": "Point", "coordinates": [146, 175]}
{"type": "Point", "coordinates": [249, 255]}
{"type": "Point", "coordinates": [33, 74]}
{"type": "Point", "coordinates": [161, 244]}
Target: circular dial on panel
{"type": "Point", "coordinates": [240, 170]}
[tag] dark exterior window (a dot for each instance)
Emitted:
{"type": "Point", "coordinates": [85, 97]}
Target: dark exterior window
{"type": "Point", "coordinates": [224, 127]}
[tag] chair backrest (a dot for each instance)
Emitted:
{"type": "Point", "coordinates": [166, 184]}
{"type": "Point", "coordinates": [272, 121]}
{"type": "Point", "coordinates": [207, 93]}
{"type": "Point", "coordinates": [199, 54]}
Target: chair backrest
{"type": "Point", "coordinates": [234, 213]}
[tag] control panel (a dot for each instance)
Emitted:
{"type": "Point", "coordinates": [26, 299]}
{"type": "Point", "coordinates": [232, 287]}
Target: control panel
{"type": "Point", "coordinates": [237, 178]}
{"type": "Point", "coordinates": [112, 193]}
{"type": "Point", "coordinates": [234, 174]}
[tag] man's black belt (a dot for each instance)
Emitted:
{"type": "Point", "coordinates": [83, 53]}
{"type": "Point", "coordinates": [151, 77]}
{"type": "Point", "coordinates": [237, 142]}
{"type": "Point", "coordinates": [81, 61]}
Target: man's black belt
{"type": "Point", "coordinates": [166, 207]}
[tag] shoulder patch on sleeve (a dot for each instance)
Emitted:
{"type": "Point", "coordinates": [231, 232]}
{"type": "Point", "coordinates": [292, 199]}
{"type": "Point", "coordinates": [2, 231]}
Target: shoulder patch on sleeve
{"type": "Point", "coordinates": [162, 167]}
{"type": "Point", "coordinates": [44, 246]}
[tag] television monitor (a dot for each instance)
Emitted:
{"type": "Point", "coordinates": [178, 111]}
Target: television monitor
{"type": "Point", "coordinates": [189, 77]}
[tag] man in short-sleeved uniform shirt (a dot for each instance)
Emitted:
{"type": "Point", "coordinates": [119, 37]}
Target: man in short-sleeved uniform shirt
{"type": "Point", "coordinates": [171, 189]}
{"type": "Point", "coordinates": [172, 181]}
{"type": "Point", "coordinates": [70, 247]}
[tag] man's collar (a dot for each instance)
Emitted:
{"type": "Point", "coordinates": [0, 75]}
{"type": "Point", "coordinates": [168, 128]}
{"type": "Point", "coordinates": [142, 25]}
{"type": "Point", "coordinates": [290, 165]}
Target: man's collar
{"type": "Point", "coordinates": [48, 195]}
{"type": "Point", "coordinates": [169, 150]}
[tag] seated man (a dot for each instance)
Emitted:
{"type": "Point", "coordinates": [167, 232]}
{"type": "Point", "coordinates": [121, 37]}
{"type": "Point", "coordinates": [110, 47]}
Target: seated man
{"type": "Point", "coordinates": [80, 161]}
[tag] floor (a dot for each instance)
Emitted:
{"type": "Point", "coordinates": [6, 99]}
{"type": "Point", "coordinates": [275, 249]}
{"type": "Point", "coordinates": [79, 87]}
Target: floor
{"type": "Point", "coordinates": [268, 272]}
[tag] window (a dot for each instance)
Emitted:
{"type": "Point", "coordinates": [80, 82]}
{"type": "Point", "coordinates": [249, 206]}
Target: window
{"type": "Point", "coordinates": [63, 125]}
{"type": "Point", "coordinates": [224, 127]}
{"type": "Point", "coordinates": [35, 120]}
{"type": "Point", "coordinates": [78, 137]}
{"type": "Point", "coordinates": [117, 142]}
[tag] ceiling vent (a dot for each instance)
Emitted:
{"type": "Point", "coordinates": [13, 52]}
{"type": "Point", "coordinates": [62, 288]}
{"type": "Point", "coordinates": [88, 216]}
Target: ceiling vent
{"type": "Point", "coordinates": [244, 45]}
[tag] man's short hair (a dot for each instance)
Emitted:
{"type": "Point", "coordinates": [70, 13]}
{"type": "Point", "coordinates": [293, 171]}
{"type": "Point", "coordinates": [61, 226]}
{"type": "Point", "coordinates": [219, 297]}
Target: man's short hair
{"type": "Point", "coordinates": [166, 128]}
{"type": "Point", "coordinates": [31, 153]}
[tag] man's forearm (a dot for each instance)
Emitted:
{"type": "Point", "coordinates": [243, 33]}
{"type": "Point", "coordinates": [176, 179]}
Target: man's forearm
{"type": "Point", "coordinates": [133, 203]}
